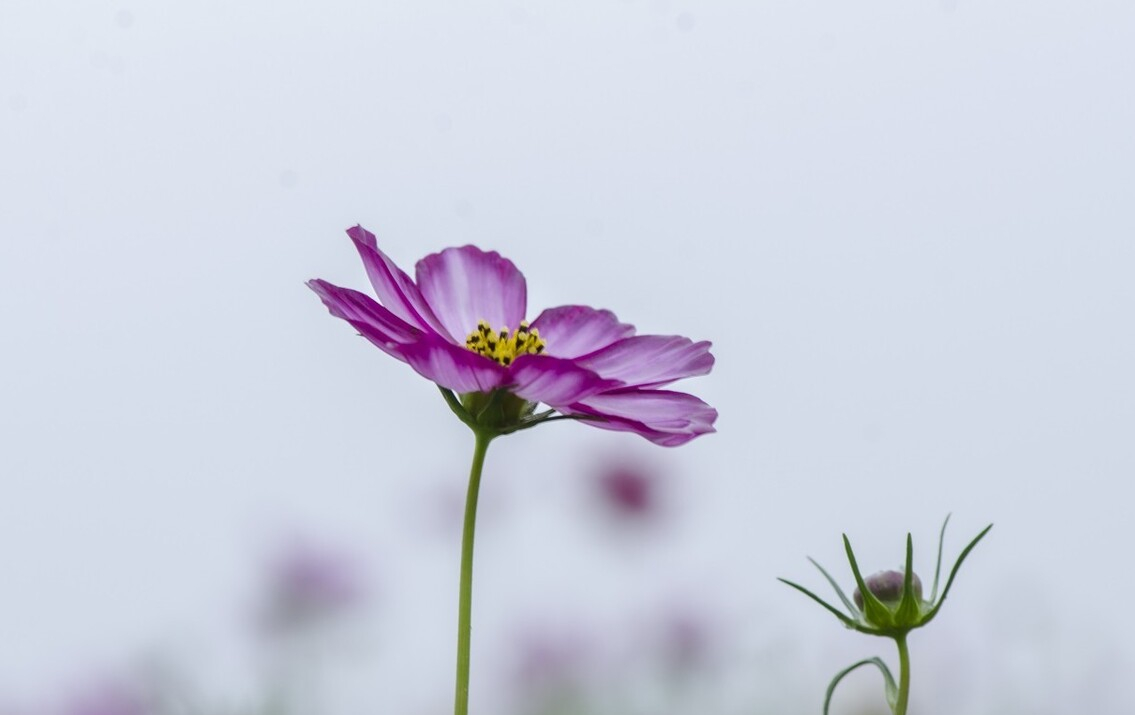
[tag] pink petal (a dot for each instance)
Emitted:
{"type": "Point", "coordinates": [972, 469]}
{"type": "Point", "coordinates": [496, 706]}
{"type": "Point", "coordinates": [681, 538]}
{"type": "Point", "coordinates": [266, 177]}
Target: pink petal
{"type": "Point", "coordinates": [466, 285]}
{"type": "Point", "coordinates": [456, 368]}
{"type": "Point", "coordinates": [650, 360]}
{"type": "Point", "coordinates": [663, 417]}
{"type": "Point", "coordinates": [554, 381]}
{"type": "Point", "coordinates": [392, 286]}
{"type": "Point", "coordinates": [574, 330]}
{"type": "Point", "coordinates": [431, 355]}
{"type": "Point", "coordinates": [373, 322]}
{"type": "Point", "coordinates": [355, 306]}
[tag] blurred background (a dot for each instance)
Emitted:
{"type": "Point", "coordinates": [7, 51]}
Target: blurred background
{"type": "Point", "coordinates": [907, 227]}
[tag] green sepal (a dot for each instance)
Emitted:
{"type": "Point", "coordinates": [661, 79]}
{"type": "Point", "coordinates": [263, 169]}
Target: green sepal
{"type": "Point", "coordinates": [848, 603]}
{"type": "Point", "coordinates": [892, 690]}
{"type": "Point", "coordinates": [954, 572]}
{"type": "Point", "coordinates": [457, 407]}
{"type": "Point", "coordinates": [834, 611]}
{"type": "Point", "coordinates": [875, 612]}
{"type": "Point", "coordinates": [938, 563]}
{"type": "Point", "coordinates": [498, 412]}
{"type": "Point", "coordinates": [910, 607]}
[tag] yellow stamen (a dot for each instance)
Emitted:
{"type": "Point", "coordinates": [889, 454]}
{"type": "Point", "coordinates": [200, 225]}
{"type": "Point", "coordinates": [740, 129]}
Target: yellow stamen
{"type": "Point", "coordinates": [504, 346]}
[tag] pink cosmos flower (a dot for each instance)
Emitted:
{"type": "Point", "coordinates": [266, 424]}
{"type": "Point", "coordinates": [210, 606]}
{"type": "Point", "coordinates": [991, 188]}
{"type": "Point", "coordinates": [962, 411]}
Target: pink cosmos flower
{"type": "Point", "coordinates": [462, 324]}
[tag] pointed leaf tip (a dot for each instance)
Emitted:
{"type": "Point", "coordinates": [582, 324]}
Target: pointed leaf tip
{"type": "Point", "coordinates": [938, 564]}
{"type": "Point", "coordinates": [910, 607]}
{"type": "Point", "coordinates": [851, 608]}
{"type": "Point", "coordinates": [954, 572]}
{"type": "Point", "coordinates": [830, 608]}
{"type": "Point", "coordinates": [873, 609]}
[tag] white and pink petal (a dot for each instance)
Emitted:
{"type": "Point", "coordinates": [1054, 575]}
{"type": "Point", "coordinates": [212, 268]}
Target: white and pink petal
{"type": "Point", "coordinates": [373, 322]}
{"type": "Point", "coordinates": [574, 330]}
{"type": "Point", "coordinates": [395, 290]}
{"type": "Point", "coordinates": [452, 367]}
{"type": "Point", "coordinates": [466, 285]}
{"type": "Point", "coordinates": [651, 360]}
{"type": "Point", "coordinates": [554, 381]}
{"type": "Point", "coordinates": [661, 416]}
{"type": "Point", "coordinates": [354, 306]}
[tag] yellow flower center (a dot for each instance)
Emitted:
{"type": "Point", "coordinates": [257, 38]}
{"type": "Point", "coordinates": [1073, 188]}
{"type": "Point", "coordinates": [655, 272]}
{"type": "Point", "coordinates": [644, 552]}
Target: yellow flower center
{"type": "Point", "coordinates": [504, 346]}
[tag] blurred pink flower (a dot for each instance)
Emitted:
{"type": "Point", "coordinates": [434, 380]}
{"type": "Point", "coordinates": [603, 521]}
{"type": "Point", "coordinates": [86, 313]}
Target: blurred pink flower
{"type": "Point", "coordinates": [307, 584]}
{"type": "Point", "coordinates": [686, 641]}
{"type": "Point", "coordinates": [550, 662]}
{"type": "Point", "coordinates": [108, 699]}
{"type": "Point", "coordinates": [628, 491]}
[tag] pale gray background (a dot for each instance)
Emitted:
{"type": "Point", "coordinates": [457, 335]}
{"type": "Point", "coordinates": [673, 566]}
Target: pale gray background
{"type": "Point", "coordinates": [906, 226]}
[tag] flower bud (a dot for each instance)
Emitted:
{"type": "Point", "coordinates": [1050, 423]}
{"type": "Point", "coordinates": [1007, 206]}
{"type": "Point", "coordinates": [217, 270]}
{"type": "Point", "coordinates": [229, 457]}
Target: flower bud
{"type": "Point", "coordinates": [887, 587]}
{"type": "Point", "coordinates": [889, 609]}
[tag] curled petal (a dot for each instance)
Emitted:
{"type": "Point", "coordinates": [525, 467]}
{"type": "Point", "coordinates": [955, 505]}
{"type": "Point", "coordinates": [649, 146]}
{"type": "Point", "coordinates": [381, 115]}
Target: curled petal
{"type": "Point", "coordinates": [663, 417]}
{"type": "Point", "coordinates": [651, 360]}
{"type": "Point", "coordinates": [373, 322]}
{"type": "Point", "coordinates": [466, 285]}
{"type": "Point", "coordinates": [451, 366]}
{"type": "Point", "coordinates": [555, 381]}
{"type": "Point", "coordinates": [355, 306]}
{"type": "Point", "coordinates": [392, 286]}
{"type": "Point", "coordinates": [574, 330]}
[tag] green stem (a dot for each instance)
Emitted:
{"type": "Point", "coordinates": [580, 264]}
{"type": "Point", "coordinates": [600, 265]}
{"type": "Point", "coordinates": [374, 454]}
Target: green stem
{"type": "Point", "coordinates": [904, 676]}
{"type": "Point", "coordinates": [465, 600]}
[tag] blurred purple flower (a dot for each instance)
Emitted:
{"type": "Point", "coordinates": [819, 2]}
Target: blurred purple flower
{"type": "Point", "coordinates": [110, 699]}
{"type": "Point", "coordinates": [461, 324]}
{"type": "Point", "coordinates": [628, 491]}
{"type": "Point", "coordinates": [687, 641]}
{"type": "Point", "coordinates": [308, 584]}
{"type": "Point", "coordinates": [550, 662]}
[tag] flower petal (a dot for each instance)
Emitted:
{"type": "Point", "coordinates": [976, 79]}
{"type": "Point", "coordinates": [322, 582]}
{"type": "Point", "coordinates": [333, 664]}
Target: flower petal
{"type": "Point", "coordinates": [663, 417]}
{"type": "Point", "coordinates": [650, 360]}
{"type": "Point", "coordinates": [466, 285]}
{"type": "Point", "coordinates": [429, 354]}
{"type": "Point", "coordinates": [574, 330]}
{"type": "Point", "coordinates": [392, 286]}
{"type": "Point", "coordinates": [554, 381]}
{"type": "Point", "coordinates": [373, 321]}
{"type": "Point", "coordinates": [451, 366]}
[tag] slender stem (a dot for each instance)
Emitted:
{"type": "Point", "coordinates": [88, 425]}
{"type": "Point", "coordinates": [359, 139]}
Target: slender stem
{"type": "Point", "coordinates": [904, 676]}
{"type": "Point", "coordinates": [465, 600]}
